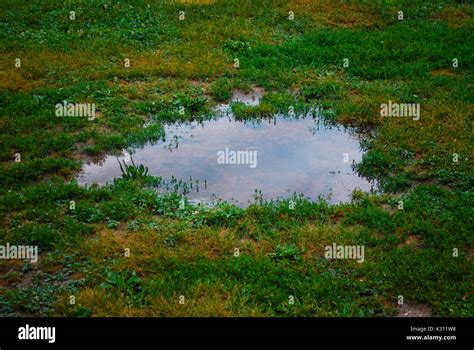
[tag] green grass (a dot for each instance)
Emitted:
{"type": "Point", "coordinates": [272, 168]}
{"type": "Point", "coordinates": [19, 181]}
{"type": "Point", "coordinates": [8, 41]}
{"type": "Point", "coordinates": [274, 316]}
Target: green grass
{"type": "Point", "coordinates": [190, 251]}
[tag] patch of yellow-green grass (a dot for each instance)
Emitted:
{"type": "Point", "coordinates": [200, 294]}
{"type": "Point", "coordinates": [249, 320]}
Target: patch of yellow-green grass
{"type": "Point", "coordinates": [44, 68]}
{"type": "Point", "coordinates": [150, 245]}
{"type": "Point", "coordinates": [443, 129]}
{"type": "Point", "coordinates": [455, 15]}
{"type": "Point", "coordinates": [191, 2]}
{"type": "Point", "coordinates": [336, 13]}
{"type": "Point", "coordinates": [153, 88]}
{"type": "Point", "coordinates": [314, 238]}
{"type": "Point", "coordinates": [361, 109]}
{"type": "Point", "coordinates": [199, 301]}
{"type": "Point", "coordinates": [95, 299]}
{"type": "Point", "coordinates": [213, 33]}
{"type": "Point", "coordinates": [187, 60]}
{"type": "Point", "coordinates": [147, 246]}
{"type": "Point", "coordinates": [444, 72]}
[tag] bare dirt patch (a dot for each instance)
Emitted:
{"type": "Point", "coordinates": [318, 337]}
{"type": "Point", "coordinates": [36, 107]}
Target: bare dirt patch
{"type": "Point", "coordinates": [414, 310]}
{"type": "Point", "coordinates": [414, 240]}
{"type": "Point", "coordinates": [443, 72]}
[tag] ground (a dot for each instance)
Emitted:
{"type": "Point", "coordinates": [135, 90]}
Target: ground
{"type": "Point", "coordinates": [123, 250]}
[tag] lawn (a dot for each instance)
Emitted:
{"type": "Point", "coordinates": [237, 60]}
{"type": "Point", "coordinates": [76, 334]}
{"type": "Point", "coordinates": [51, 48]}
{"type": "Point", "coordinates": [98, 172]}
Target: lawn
{"type": "Point", "coordinates": [125, 250]}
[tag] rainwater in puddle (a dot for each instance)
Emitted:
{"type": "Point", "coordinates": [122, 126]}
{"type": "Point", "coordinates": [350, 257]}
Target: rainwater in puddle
{"type": "Point", "coordinates": [228, 159]}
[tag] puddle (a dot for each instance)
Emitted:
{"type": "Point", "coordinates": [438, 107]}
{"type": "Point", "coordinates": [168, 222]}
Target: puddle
{"type": "Point", "coordinates": [251, 98]}
{"type": "Point", "coordinates": [280, 156]}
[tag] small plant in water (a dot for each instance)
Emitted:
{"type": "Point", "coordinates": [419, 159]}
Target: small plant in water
{"type": "Point", "coordinates": [132, 171]}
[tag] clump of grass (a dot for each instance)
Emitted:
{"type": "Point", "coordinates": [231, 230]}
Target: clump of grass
{"type": "Point", "coordinates": [124, 283]}
{"type": "Point", "coordinates": [289, 251]}
{"type": "Point", "coordinates": [191, 104]}
{"type": "Point", "coordinates": [221, 90]}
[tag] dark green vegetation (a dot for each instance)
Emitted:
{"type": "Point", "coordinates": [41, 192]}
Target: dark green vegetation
{"type": "Point", "coordinates": [186, 250]}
